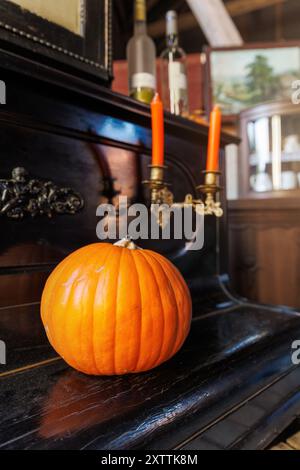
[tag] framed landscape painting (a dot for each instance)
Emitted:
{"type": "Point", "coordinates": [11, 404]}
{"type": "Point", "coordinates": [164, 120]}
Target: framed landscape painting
{"type": "Point", "coordinates": [241, 77]}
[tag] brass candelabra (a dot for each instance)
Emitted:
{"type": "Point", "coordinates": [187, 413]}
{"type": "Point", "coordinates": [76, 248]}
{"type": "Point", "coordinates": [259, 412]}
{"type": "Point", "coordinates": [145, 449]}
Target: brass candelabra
{"type": "Point", "coordinates": [205, 205]}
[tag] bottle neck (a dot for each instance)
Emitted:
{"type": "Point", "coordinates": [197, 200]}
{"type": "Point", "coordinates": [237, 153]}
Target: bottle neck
{"type": "Point", "coordinates": [171, 29]}
{"type": "Point", "coordinates": [140, 27]}
{"type": "Point", "coordinates": [172, 40]}
{"type": "Point", "coordinates": [140, 17]}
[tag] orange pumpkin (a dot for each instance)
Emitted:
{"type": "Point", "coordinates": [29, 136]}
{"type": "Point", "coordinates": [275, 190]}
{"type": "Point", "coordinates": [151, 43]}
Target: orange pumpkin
{"type": "Point", "coordinates": [116, 309]}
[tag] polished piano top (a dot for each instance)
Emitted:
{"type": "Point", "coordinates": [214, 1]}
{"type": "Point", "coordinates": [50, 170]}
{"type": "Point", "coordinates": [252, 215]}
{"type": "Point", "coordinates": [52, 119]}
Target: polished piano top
{"type": "Point", "coordinates": [230, 355]}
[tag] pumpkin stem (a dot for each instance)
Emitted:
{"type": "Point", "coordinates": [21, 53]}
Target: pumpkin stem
{"type": "Point", "coordinates": [127, 243]}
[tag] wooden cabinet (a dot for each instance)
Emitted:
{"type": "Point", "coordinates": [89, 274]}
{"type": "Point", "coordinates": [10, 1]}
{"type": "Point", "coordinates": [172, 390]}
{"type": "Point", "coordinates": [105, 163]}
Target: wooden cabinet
{"type": "Point", "coordinates": [264, 222]}
{"type": "Point", "coordinates": [264, 248]}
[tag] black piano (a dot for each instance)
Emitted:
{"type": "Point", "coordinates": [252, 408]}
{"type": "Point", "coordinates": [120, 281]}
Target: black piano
{"type": "Point", "coordinates": [233, 385]}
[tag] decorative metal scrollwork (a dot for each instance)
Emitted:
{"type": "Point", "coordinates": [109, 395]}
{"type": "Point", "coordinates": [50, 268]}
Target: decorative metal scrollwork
{"type": "Point", "coordinates": [23, 196]}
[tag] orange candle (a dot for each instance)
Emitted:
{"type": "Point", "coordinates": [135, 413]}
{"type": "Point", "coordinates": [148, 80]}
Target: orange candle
{"type": "Point", "coordinates": [212, 163]}
{"type": "Point", "coordinates": [158, 135]}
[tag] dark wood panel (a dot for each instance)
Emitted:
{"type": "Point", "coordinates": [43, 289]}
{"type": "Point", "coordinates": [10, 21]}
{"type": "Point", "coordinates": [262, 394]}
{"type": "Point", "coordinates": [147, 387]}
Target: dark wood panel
{"type": "Point", "coordinates": [23, 287]}
{"type": "Point", "coordinates": [265, 250]}
{"type": "Point", "coordinates": [24, 336]}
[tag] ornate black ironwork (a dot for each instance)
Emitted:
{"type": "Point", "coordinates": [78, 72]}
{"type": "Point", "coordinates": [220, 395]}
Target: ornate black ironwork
{"type": "Point", "coordinates": [22, 195]}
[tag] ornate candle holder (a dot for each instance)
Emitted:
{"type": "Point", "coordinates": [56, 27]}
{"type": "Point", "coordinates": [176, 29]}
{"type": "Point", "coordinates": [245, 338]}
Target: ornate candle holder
{"type": "Point", "coordinates": [206, 205]}
{"type": "Point", "coordinates": [210, 189]}
{"type": "Point", "coordinates": [160, 194]}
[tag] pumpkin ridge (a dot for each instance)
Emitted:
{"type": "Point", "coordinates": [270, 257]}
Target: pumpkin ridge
{"type": "Point", "coordinates": [83, 259]}
{"type": "Point", "coordinates": [141, 315]}
{"type": "Point", "coordinates": [187, 302]}
{"type": "Point", "coordinates": [46, 312]}
{"type": "Point", "coordinates": [116, 310]}
{"type": "Point", "coordinates": [93, 313]}
{"type": "Point", "coordinates": [179, 278]}
{"type": "Point", "coordinates": [66, 266]}
{"type": "Point", "coordinates": [180, 337]}
{"type": "Point", "coordinates": [170, 274]}
{"type": "Point", "coordinates": [65, 321]}
{"type": "Point", "coordinates": [146, 256]}
{"type": "Point", "coordinates": [157, 261]}
{"type": "Point", "coordinates": [187, 295]}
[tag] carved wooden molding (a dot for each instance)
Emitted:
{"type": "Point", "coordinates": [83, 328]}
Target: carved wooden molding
{"type": "Point", "coordinates": [22, 196]}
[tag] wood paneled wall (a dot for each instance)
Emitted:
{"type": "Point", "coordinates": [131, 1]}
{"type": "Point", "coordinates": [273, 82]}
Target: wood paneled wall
{"type": "Point", "coordinates": [264, 250]}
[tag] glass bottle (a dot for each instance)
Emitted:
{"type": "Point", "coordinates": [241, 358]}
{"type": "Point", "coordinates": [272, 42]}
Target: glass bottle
{"type": "Point", "coordinates": [141, 57]}
{"type": "Point", "coordinates": [173, 68]}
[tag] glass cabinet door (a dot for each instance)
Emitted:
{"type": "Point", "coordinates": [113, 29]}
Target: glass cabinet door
{"type": "Point", "coordinates": [274, 149]}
